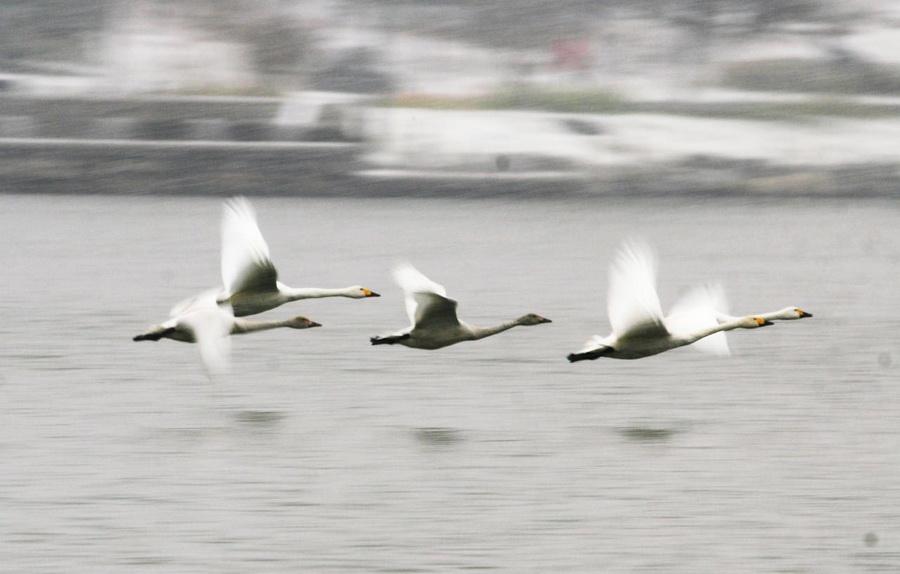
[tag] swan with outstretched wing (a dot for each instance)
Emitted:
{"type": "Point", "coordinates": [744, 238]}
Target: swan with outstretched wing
{"type": "Point", "coordinates": [249, 277]}
{"type": "Point", "coordinates": [639, 328]}
{"type": "Point", "coordinates": [210, 324]}
{"type": "Point", "coordinates": [432, 315]}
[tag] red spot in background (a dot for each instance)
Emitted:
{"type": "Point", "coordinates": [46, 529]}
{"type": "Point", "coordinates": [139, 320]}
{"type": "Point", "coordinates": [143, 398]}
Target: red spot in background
{"type": "Point", "coordinates": [571, 53]}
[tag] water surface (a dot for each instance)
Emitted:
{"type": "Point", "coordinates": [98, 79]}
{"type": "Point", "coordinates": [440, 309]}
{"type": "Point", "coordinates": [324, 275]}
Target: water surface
{"type": "Point", "coordinates": [321, 453]}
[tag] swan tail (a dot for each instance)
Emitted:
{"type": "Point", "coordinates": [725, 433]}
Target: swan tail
{"type": "Point", "coordinates": [154, 335]}
{"type": "Point", "coordinates": [589, 355]}
{"type": "Point", "coordinates": [389, 340]}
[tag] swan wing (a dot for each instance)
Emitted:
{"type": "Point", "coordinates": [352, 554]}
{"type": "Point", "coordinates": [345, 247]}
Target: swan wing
{"type": "Point", "coordinates": [434, 311]}
{"type": "Point", "coordinates": [412, 281]}
{"type": "Point", "coordinates": [201, 301]}
{"type": "Point", "coordinates": [212, 328]}
{"type": "Point", "coordinates": [699, 309]}
{"type": "Point", "coordinates": [632, 303]}
{"type": "Point", "coordinates": [246, 265]}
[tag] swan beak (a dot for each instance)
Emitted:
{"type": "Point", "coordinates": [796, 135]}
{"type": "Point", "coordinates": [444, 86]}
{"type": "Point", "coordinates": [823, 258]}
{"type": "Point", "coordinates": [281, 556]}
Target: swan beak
{"type": "Point", "coordinates": [369, 293]}
{"type": "Point", "coordinates": [766, 323]}
{"type": "Point", "coordinates": [804, 313]}
{"type": "Point", "coordinates": [314, 324]}
{"type": "Point", "coordinates": [545, 320]}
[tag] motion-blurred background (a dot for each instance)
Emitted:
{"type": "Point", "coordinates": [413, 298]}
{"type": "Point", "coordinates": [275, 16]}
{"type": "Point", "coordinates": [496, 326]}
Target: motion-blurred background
{"type": "Point", "coordinates": [405, 97]}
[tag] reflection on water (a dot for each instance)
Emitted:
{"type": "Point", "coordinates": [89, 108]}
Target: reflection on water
{"type": "Point", "coordinates": [321, 453]}
{"type": "Point", "coordinates": [437, 436]}
{"type": "Point", "coordinates": [648, 434]}
{"type": "Point", "coordinates": [260, 418]}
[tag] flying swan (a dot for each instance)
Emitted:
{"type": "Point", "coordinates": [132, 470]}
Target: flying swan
{"type": "Point", "coordinates": [204, 321]}
{"type": "Point", "coordinates": [248, 274]}
{"type": "Point", "coordinates": [639, 328]}
{"type": "Point", "coordinates": [433, 320]}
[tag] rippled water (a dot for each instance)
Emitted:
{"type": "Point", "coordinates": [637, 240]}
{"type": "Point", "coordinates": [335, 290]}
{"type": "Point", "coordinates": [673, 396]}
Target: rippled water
{"type": "Point", "coordinates": [321, 453]}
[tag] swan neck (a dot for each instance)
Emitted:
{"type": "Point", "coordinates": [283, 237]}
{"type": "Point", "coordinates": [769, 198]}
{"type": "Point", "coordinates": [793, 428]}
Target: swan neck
{"type": "Point", "coordinates": [712, 329]}
{"type": "Point", "coordinates": [243, 326]}
{"type": "Point", "coordinates": [482, 332]}
{"type": "Point", "coordinates": [770, 315]}
{"type": "Point", "coordinates": [296, 293]}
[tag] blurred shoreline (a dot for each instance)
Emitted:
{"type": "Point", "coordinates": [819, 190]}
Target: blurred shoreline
{"type": "Point", "coordinates": [326, 144]}
{"type": "Point", "coordinates": [517, 98]}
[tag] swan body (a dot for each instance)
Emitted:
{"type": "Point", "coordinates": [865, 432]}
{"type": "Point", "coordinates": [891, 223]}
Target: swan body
{"type": "Point", "coordinates": [639, 327]}
{"type": "Point", "coordinates": [432, 315]}
{"type": "Point", "coordinates": [249, 277]}
{"type": "Point", "coordinates": [203, 321]}
{"type": "Point", "coordinates": [647, 344]}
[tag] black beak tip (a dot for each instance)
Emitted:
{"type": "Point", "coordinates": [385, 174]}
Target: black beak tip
{"type": "Point", "coordinates": [805, 314]}
{"type": "Point", "coordinates": [374, 294]}
{"type": "Point", "coordinates": [314, 324]}
{"type": "Point", "coordinates": [766, 323]}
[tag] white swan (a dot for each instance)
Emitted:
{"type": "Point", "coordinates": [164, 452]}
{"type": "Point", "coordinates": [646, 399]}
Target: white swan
{"type": "Point", "coordinates": [786, 314]}
{"type": "Point", "coordinates": [248, 274]}
{"type": "Point", "coordinates": [638, 325]}
{"type": "Point", "coordinates": [433, 320]}
{"type": "Point", "coordinates": [203, 321]}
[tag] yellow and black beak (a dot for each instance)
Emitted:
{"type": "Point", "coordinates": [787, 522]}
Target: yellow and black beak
{"type": "Point", "coordinates": [760, 321]}
{"type": "Point", "coordinates": [804, 313]}
{"type": "Point", "coordinates": [369, 293]}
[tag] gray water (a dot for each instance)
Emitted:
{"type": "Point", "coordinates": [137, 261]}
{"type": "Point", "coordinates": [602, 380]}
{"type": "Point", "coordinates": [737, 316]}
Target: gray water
{"type": "Point", "coordinates": [321, 453]}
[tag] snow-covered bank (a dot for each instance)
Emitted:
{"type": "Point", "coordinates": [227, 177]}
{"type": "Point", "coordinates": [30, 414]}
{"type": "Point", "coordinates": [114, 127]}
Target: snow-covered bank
{"type": "Point", "coordinates": [460, 140]}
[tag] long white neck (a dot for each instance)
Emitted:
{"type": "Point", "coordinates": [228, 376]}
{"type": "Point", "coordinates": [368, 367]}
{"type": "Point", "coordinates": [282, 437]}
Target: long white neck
{"type": "Point", "coordinates": [482, 332]}
{"type": "Point", "coordinates": [243, 326]}
{"type": "Point", "coordinates": [295, 293]}
{"type": "Point", "coordinates": [771, 315]}
{"type": "Point", "coordinates": [733, 323]}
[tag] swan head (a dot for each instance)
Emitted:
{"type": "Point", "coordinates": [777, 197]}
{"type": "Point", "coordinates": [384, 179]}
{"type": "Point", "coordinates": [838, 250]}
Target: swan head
{"type": "Point", "coordinates": [790, 313]}
{"type": "Point", "coordinates": [301, 323]}
{"type": "Point", "coordinates": [532, 319]}
{"type": "Point", "coordinates": [360, 292]}
{"type": "Point", "coordinates": [754, 322]}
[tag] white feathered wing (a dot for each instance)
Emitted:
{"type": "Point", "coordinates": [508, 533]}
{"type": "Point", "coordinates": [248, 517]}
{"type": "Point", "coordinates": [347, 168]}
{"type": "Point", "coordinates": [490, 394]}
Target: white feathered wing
{"type": "Point", "coordinates": [211, 325]}
{"type": "Point", "coordinates": [246, 264]}
{"type": "Point", "coordinates": [413, 282]}
{"type": "Point", "coordinates": [697, 310]}
{"type": "Point", "coordinates": [632, 302]}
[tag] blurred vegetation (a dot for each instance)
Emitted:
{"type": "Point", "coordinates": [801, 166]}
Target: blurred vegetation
{"type": "Point", "coordinates": [255, 91]}
{"type": "Point", "coordinates": [607, 102]}
{"type": "Point", "coordinates": [582, 101]}
{"type": "Point", "coordinates": [576, 101]}
{"type": "Point", "coordinates": [847, 76]}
